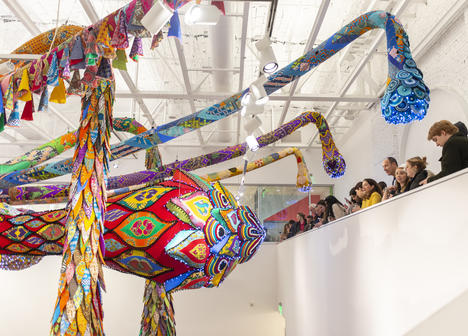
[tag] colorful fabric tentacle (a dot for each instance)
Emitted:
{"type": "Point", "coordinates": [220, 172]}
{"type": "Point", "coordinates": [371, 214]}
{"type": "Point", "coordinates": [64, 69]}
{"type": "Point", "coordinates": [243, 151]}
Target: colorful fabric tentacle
{"type": "Point", "coordinates": [332, 161]}
{"type": "Point", "coordinates": [302, 182]}
{"type": "Point", "coordinates": [78, 309]}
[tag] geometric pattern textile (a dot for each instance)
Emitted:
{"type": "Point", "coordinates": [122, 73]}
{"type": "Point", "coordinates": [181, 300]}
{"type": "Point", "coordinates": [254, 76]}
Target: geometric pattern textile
{"type": "Point", "coordinates": [158, 236]}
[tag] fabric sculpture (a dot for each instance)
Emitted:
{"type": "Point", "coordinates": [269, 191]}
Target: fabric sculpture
{"type": "Point", "coordinates": [333, 163]}
{"type": "Point", "coordinates": [183, 233]}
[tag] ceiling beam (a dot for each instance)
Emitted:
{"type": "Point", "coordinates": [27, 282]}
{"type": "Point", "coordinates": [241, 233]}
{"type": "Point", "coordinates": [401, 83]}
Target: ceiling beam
{"type": "Point", "coordinates": [136, 95]}
{"type": "Point", "coordinates": [7, 136]}
{"type": "Point", "coordinates": [222, 95]}
{"type": "Point", "coordinates": [357, 70]}
{"type": "Point", "coordinates": [20, 56]}
{"type": "Point", "coordinates": [310, 43]}
{"type": "Point", "coordinates": [21, 14]}
{"type": "Point", "coordinates": [90, 11]}
{"type": "Point", "coordinates": [245, 23]}
{"type": "Point", "coordinates": [188, 86]}
{"type": "Point", "coordinates": [39, 130]}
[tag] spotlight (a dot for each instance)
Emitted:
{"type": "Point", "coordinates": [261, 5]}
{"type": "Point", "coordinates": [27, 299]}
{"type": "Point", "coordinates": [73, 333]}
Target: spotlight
{"type": "Point", "coordinates": [245, 99]}
{"type": "Point", "coordinates": [6, 67]}
{"type": "Point", "coordinates": [155, 19]}
{"type": "Point", "coordinates": [252, 143]}
{"type": "Point", "coordinates": [258, 91]}
{"type": "Point", "coordinates": [200, 14]}
{"type": "Point", "coordinates": [251, 125]}
{"type": "Point", "coordinates": [268, 62]}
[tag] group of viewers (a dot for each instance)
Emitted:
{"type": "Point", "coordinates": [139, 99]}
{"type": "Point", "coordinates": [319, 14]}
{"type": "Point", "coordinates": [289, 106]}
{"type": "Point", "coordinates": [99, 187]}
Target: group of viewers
{"type": "Point", "coordinates": [454, 142]}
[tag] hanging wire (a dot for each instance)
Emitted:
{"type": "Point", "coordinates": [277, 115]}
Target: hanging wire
{"type": "Point", "coordinates": [56, 27]}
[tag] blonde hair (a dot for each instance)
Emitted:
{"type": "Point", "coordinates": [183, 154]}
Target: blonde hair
{"type": "Point", "coordinates": [419, 162]}
{"type": "Point", "coordinates": [438, 127]}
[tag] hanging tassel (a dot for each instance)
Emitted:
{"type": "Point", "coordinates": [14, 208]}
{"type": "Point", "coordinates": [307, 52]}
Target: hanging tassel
{"type": "Point", "coordinates": [120, 61]}
{"type": "Point", "coordinates": [24, 92]}
{"type": "Point", "coordinates": [14, 118]}
{"type": "Point", "coordinates": [75, 84]}
{"type": "Point", "coordinates": [28, 111]}
{"type": "Point", "coordinates": [156, 40]}
{"type": "Point", "coordinates": [220, 6]}
{"type": "Point", "coordinates": [65, 63]}
{"type": "Point", "coordinates": [120, 37]}
{"type": "Point", "coordinates": [9, 98]}
{"type": "Point", "coordinates": [2, 113]}
{"type": "Point", "coordinates": [91, 50]}
{"type": "Point", "coordinates": [104, 40]}
{"type": "Point", "coordinates": [105, 69]}
{"type": "Point", "coordinates": [44, 101]}
{"type": "Point", "coordinates": [58, 94]}
{"type": "Point", "coordinates": [37, 80]}
{"type": "Point", "coordinates": [137, 49]}
{"type": "Point", "coordinates": [77, 55]}
{"type": "Point", "coordinates": [53, 72]}
{"type": "Point", "coordinates": [174, 29]}
{"type": "Point", "coordinates": [89, 76]}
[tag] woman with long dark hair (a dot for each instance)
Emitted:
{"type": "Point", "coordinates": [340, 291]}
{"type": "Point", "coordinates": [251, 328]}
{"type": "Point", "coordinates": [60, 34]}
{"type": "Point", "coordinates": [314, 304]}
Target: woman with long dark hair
{"type": "Point", "coordinates": [372, 193]}
{"type": "Point", "coordinates": [334, 209]}
{"type": "Point", "coordinates": [301, 222]}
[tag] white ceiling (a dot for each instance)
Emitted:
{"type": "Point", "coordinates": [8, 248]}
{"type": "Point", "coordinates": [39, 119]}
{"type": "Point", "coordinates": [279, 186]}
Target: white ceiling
{"type": "Point", "coordinates": [179, 79]}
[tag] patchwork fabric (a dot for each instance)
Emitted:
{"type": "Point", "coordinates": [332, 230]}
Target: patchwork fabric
{"type": "Point", "coordinates": [181, 233]}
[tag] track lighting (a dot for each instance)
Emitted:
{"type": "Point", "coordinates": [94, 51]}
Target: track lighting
{"type": "Point", "coordinates": [200, 14]}
{"type": "Point", "coordinates": [258, 91]}
{"type": "Point", "coordinates": [252, 143]}
{"type": "Point", "coordinates": [256, 97]}
{"type": "Point", "coordinates": [251, 125]}
{"type": "Point", "coordinates": [155, 19]}
{"type": "Point", "coordinates": [6, 67]}
{"type": "Point", "coordinates": [252, 109]}
{"type": "Point", "coordinates": [268, 62]}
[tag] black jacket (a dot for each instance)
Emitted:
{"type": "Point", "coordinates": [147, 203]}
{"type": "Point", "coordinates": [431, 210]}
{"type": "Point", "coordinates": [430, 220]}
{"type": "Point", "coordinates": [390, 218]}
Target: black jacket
{"type": "Point", "coordinates": [414, 183]}
{"type": "Point", "coordinates": [454, 156]}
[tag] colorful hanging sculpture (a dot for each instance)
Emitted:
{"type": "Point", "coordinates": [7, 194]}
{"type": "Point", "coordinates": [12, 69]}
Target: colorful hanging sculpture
{"type": "Point", "coordinates": [211, 234]}
{"type": "Point", "coordinates": [183, 233]}
{"type": "Point", "coordinates": [333, 163]}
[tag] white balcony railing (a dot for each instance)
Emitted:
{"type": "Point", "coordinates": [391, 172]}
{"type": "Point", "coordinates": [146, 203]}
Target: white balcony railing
{"type": "Point", "coordinates": [381, 271]}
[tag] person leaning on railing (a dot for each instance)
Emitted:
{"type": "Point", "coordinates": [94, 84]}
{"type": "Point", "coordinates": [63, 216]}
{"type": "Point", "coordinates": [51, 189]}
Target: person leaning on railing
{"type": "Point", "coordinates": [454, 145]}
{"type": "Point", "coordinates": [372, 193]}
{"type": "Point", "coordinates": [402, 184]}
{"type": "Point", "coordinates": [416, 170]}
{"type": "Point", "coordinates": [334, 209]}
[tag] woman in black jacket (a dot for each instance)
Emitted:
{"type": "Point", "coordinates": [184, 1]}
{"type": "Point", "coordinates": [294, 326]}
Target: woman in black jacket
{"type": "Point", "coordinates": [454, 145]}
{"type": "Point", "coordinates": [416, 170]}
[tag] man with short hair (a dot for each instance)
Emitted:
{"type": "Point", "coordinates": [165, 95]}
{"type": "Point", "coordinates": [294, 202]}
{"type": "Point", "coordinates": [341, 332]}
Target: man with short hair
{"type": "Point", "coordinates": [454, 148]}
{"type": "Point", "coordinates": [390, 166]}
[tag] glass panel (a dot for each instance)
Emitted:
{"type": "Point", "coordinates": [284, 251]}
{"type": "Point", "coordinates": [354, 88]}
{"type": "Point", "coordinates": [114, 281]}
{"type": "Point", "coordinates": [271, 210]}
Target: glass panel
{"type": "Point", "coordinates": [275, 205]}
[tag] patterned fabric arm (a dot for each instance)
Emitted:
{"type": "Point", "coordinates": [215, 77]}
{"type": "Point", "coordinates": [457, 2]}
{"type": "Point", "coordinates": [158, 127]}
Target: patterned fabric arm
{"type": "Point", "coordinates": [406, 97]}
{"type": "Point", "coordinates": [332, 161]}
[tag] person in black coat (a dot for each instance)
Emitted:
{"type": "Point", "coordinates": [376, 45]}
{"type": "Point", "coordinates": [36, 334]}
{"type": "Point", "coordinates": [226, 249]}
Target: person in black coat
{"type": "Point", "coordinates": [416, 170]}
{"type": "Point", "coordinates": [454, 145]}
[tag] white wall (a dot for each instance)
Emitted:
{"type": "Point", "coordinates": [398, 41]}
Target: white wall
{"type": "Point", "coordinates": [381, 271]}
{"type": "Point", "coordinates": [245, 304]}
